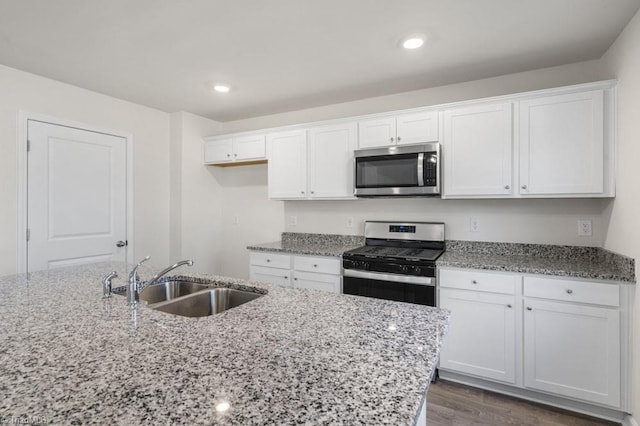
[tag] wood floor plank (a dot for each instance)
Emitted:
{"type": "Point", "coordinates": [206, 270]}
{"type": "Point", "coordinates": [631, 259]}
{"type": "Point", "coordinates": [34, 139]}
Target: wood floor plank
{"type": "Point", "coordinates": [452, 404]}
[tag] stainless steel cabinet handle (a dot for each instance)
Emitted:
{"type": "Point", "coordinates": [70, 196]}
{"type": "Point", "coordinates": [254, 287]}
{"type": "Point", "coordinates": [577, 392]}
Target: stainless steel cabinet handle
{"type": "Point", "coordinates": [315, 266]}
{"type": "Point", "coordinates": [398, 138]}
{"type": "Point", "coordinates": [524, 186]}
{"type": "Point", "coordinates": [121, 243]}
{"type": "Point", "coordinates": [302, 192]}
{"type": "Point", "coordinates": [228, 155]}
{"type": "Point", "coordinates": [268, 260]}
{"type": "Point", "coordinates": [391, 139]}
{"type": "Point", "coordinates": [235, 155]}
{"type": "Point", "coordinates": [507, 187]}
{"type": "Point", "coordinates": [474, 282]}
{"type": "Point", "coordinates": [295, 279]}
{"type": "Point", "coordinates": [286, 277]}
{"type": "Point", "coordinates": [509, 305]}
{"type": "Point", "coordinates": [313, 192]}
{"type": "Point", "coordinates": [529, 308]}
{"type": "Point", "coordinates": [569, 291]}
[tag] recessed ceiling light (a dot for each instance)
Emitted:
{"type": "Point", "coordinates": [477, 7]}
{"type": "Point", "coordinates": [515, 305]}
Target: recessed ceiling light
{"type": "Point", "coordinates": [413, 42]}
{"type": "Point", "coordinates": [221, 88]}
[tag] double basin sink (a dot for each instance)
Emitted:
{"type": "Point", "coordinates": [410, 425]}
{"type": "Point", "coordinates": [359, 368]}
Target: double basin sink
{"type": "Point", "coordinates": [193, 299]}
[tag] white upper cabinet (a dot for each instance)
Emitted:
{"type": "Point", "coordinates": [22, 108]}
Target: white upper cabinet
{"type": "Point", "coordinates": [477, 149]}
{"type": "Point", "coordinates": [287, 169]}
{"type": "Point", "coordinates": [397, 130]}
{"type": "Point", "coordinates": [557, 143]}
{"type": "Point", "coordinates": [235, 149]}
{"type": "Point", "coordinates": [562, 144]}
{"type": "Point", "coordinates": [316, 163]}
{"type": "Point", "coordinates": [330, 161]}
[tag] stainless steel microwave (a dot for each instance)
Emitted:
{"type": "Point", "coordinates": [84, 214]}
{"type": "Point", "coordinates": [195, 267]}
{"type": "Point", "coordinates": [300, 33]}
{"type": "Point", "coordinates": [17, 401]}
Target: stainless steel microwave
{"type": "Point", "coordinates": [402, 170]}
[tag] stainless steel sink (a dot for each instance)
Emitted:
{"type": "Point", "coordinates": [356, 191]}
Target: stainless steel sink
{"type": "Point", "coordinates": [168, 290]}
{"type": "Point", "coordinates": [206, 303]}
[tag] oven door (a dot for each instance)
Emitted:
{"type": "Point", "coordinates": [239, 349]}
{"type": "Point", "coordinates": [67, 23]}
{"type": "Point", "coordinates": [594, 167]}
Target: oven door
{"type": "Point", "coordinates": [401, 288]}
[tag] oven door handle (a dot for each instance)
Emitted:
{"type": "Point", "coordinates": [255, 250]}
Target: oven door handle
{"type": "Point", "coordinates": [408, 279]}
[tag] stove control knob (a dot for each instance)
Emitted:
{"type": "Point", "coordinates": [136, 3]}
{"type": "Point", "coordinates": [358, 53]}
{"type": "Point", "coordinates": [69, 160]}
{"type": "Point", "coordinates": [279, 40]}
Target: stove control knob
{"type": "Point", "coordinates": [404, 269]}
{"type": "Point", "coordinates": [417, 270]}
{"type": "Point", "coordinates": [365, 266]}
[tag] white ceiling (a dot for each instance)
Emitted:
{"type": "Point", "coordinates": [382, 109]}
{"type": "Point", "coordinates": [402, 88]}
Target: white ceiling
{"type": "Point", "coordinates": [283, 55]}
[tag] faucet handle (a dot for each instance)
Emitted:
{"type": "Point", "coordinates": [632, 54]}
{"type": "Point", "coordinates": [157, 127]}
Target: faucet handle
{"type": "Point", "coordinates": [106, 283]}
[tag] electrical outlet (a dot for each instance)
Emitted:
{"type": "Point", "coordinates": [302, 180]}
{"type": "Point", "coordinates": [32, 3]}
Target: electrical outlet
{"type": "Point", "coordinates": [474, 224]}
{"type": "Point", "coordinates": [349, 222]}
{"type": "Point", "coordinates": [585, 228]}
{"type": "Point", "coordinates": [293, 220]}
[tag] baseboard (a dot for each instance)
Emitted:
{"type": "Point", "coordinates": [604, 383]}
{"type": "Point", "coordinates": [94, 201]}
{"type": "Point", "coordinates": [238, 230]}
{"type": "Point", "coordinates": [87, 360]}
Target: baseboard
{"type": "Point", "coordinates": [546, 399]}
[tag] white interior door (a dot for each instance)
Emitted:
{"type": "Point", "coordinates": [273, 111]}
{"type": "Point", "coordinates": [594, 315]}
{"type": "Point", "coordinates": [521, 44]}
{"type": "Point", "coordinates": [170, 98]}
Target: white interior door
{"type": "Point", "coordinates": [76, 196]}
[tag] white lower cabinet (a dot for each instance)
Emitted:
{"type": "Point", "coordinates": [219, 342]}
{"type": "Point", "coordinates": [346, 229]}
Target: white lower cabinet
{"type": "Point", "coordinates": [485, 322]}
{"type": "Point", "coordinates": [562, 337]}
{"type": "Point", "coordinates": [572, 349]}
{"type": "Point", "coordinates": [482, 335]}
{"type": "Point", "coordinates": [297, 271]}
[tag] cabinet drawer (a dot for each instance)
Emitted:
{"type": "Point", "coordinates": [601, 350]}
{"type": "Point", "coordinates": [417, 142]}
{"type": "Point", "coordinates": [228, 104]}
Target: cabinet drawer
{"type": "Point", "coordinates": [479, 281]}
{"type": "Point", "coordinates": [324, 282]}
{"type": "Point", "coordinates": [271, 260]}
{"type": "Point", "coordinates": [572, 291]}
{"type": "Point", "coordinates": [323, 265]}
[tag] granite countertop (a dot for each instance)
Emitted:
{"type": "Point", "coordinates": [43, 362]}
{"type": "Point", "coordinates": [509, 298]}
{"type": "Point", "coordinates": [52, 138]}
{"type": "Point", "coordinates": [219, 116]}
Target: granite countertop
{"type": "Point", "coordinates": [570, 261]}
{"type": "Point", "coordinates": [289, 357]}
{"type": "Point", "coordinates": [311, 244]}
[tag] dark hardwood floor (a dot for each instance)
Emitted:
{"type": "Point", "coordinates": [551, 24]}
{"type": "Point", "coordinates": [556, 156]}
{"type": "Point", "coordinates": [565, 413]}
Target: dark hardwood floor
{"type": "Point", "coordinates": [451, 404]}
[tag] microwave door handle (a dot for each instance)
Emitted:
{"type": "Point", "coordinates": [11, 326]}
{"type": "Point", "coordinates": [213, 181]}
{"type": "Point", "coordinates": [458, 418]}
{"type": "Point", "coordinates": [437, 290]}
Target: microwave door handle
{"type": "Point", "coordinates": [421, 169]}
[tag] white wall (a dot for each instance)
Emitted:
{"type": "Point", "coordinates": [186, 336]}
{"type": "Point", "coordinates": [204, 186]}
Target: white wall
{"type": "Point", "coordinates": [622, 60]}
{"type": "Point", "coordinates": [519, 221]}
{"type": "Point", "coordinates": [196, 207]}
{"type": "Point", "coordinates": [150, 129]}
{"type": "Point", "coordinates": [216, 212]}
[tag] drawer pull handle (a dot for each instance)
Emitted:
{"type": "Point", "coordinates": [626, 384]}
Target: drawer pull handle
{"type": "Point", "coordinates": [268, 260]}
{"type": "Point", "coordinates": [508, 305]}
{"type": "Point", "coordinates": [286, 277]}
{"type": "Point", "coordinates": [315, 266]}
{"type": "Point", "coordinates": [295, 279]}
{"type": "Point", "coordinates": [474, 282]}
{"type": "Point", "coordinates": [529, 308]}
{"type": "Point", "coordinates": [569, 291]}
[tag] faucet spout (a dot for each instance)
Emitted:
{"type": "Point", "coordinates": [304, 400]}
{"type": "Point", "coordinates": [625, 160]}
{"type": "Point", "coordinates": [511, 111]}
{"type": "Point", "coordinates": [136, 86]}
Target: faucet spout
{"type": "Point", "coordinates": [165, 271]}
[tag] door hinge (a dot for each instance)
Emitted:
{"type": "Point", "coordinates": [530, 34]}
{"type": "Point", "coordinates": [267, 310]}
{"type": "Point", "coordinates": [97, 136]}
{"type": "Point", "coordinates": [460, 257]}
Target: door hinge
{"type": "Point", "coordinates": [28, 234]}
{"type": "Point", "coordinates": [28, 145]}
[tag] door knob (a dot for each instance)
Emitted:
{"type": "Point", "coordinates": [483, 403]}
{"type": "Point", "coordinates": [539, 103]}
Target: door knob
{"type": "Point", "coordinates": [121, 243]}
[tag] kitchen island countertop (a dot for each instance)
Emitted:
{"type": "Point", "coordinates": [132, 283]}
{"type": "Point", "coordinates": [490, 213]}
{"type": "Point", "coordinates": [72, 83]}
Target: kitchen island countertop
{"type": "Point", "coordinates": [289, 357]}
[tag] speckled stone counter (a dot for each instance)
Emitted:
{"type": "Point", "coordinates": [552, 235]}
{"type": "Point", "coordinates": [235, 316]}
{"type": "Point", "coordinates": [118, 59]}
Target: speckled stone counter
{"type": "Point", "coordinates": [289, 357]}
{"type": "Point", "coordinates": [311, 244]}
{"type": "Point", "coordinates": [570, 261]}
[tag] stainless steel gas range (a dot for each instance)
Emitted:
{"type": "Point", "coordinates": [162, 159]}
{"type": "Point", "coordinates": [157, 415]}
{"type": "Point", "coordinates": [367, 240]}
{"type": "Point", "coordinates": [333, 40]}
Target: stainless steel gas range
{"type": "Point", "coordinates": [397, 262]}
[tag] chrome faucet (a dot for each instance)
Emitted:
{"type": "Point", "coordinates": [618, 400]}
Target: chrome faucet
{"type": "Point", "coordinates": [135, 286]}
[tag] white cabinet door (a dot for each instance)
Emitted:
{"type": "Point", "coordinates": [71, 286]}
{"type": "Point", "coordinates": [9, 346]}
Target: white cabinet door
{"type": "Point", "coordinates": [481, 337]}
{"type": "Point", "coordinates": [417, 128]}
{"type": "Point", "coordinates": [477, 150]}
{"type": "Point", "coordinates": [572, 350]}
{"type": "Point", "coordinates": [250, 147]}
{"type": "Point", "coordinates": [378, 132]}
{"type": "Point", "coordinates": [309, 280]}
{"type": "Point", "coordinates": [562, 144]}
{"type": "Point", "coordinates": [276, 276]}
{"type": "Point", "coordinates": [330, 161]}
{"type": "Point", "coordinates": [287, 168]}
{"type": "Point", "coordinates": [218, 151]}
